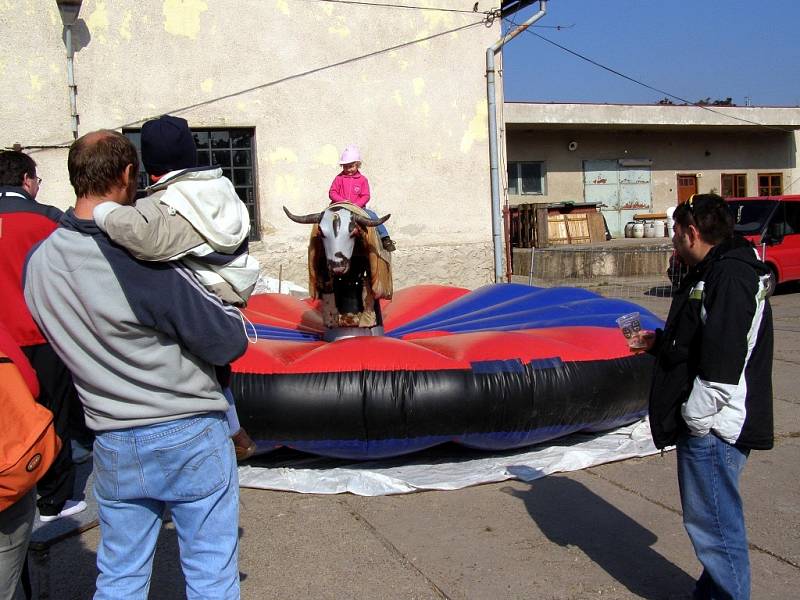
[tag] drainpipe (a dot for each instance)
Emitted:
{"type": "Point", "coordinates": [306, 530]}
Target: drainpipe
{"type": "Point", "coordinates": [69, 10]}
{"type": "Point", "coordinates": [494, 158]}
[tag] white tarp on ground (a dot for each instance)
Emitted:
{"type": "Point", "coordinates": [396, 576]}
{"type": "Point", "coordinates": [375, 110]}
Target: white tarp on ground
{"type": "Point", "coordinates": [445, 467]}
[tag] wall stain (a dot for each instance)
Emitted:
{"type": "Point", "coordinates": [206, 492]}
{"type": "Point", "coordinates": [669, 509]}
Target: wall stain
{"type": "Point", "coordinates": [477, 130]}
{"type": "Point", "coordinates": [182, 17]}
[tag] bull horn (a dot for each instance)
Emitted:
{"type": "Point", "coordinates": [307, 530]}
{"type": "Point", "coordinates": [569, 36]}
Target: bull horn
{"type": "Point", "coordinates": [365, 222]}
{"type": "Point", "coordinates": [310, 219]}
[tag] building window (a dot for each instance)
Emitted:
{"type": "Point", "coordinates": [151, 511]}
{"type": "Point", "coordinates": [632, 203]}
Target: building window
{"type": "Point", "coordinates": [770, 184]}
{"type": "Point", "coordinates": [230, 149]}
{"type": "Point", "coordinates": [526, 178]}
{"type": "Point", "coordinates": [734, 185]}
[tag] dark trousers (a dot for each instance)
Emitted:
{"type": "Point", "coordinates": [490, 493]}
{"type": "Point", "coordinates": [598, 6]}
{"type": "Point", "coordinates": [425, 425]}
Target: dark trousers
{"type": "Point", "coordinates": [56, 393]}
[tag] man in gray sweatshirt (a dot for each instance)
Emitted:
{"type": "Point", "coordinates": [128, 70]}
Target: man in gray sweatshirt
{"type": "Point", "coordinates": [142, 340]}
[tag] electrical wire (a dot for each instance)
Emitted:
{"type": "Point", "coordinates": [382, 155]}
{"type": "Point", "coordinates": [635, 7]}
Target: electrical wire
{"type": "Point", "coordinates": [407, 6]}
{"type": "Point", "coordinates": [284, 79]}
{"type": "Point", "coordinates": [650, 87]}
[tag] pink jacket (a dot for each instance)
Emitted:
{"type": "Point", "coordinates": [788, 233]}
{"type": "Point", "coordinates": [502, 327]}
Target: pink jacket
{"type": "Point", "coordinates": [350, 188]}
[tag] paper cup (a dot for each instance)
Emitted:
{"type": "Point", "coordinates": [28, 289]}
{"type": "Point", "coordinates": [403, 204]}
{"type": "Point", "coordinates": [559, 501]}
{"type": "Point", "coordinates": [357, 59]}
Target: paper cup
{"type": "Point", "coordinates": [631, 328]}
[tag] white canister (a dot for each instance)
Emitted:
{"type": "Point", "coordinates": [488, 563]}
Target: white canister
{"type": "Point", "coordinates": [638, 230]}
{"type": "Point", "coordinates": [629, 229]}
{"type": "Point", "coordinates": [650, 229]}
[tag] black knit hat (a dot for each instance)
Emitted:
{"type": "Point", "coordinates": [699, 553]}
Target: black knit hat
{"type": "Point", "coordinates": [167, 145]}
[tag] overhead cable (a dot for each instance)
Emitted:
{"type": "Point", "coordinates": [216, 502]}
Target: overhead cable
{"type": "Point", "coordinates": [650, 87]}
{"type": "Point", "coordinates": [408, 6]}
{"type": "Point", "coordinates": [284, 79]}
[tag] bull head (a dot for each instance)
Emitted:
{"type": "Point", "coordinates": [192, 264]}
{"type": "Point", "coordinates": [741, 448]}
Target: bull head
{"type": "Point", "coordinates": [338, 228]}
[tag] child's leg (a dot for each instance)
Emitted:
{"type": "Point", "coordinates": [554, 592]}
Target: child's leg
{"type": "Point", "coordinates": [382, 231]}
{"type": "Point", "coordinates": [244, 446]}
{"type": "Point", "coordinates": [230, 414]}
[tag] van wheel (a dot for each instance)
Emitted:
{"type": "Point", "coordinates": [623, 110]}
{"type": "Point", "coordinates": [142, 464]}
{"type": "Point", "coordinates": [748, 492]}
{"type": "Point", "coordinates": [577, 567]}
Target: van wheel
{"type": "Point", "coordinates": [772, 282]}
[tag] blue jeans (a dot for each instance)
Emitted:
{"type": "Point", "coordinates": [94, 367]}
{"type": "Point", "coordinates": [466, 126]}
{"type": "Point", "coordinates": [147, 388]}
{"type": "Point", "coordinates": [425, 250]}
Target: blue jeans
{"type": "Point", "coordinates": [187, 465]}
{"type": "Point", "coordinates": [380, 229]}
{"type": "Point", "coordinates": [708, 476]}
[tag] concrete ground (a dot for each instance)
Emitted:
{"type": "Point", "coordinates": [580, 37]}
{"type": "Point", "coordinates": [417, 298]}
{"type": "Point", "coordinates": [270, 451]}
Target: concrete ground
{"type": "Point", "coordinates": [612, 531]}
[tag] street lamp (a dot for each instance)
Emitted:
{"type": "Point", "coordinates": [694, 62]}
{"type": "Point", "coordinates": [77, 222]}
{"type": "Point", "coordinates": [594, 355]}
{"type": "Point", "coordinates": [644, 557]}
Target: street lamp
{"type": "Point", "coordinates": [69, 10]}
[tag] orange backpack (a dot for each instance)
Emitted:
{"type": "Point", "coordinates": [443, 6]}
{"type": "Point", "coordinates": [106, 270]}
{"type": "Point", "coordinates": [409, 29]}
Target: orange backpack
{"type": "Point", "coordinates": [28, 442]}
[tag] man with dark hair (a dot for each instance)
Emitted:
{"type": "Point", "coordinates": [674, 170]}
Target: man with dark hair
{"type": "Point", "coordinates": [712, 386]}
{"type": "Point", "coordinates": [23, 224]}
{"type": "Point", "coordinates": [142, 340]}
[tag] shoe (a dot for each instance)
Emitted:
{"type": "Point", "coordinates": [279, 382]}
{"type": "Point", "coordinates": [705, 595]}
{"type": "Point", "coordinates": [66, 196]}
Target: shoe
{"type": "Point", "coordinates": [244, 446]}
{"type": "Point", "coordinates": [71, 507]}
{"type": "Point", "coordinates": [388, 244]}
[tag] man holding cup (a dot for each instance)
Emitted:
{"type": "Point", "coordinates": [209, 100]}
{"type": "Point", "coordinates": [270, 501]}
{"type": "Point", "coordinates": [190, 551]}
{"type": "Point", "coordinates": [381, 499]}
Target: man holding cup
{"type": "Point", "coordinates": [711, 394]}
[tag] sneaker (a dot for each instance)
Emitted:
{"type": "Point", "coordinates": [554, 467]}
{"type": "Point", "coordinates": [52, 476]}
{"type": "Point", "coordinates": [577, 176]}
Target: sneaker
{"type": "Point", "coordinates": [71, 507]}
{"type": "Point", "coordinates": [388, 244]}
{"type": "Point", "coordinates": [245, 447]}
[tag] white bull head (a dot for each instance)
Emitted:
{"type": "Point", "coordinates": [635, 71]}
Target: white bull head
{"type": "Point", "coordinates": [338, 230]}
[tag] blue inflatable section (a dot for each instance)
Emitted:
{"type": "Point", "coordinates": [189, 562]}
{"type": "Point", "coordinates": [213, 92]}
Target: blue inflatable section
{"type": "Point", "coordinates": [512, 306]}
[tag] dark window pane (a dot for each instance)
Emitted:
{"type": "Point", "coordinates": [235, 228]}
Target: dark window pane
{"type": "Point", "coordinates": [200, 139]}
{"type": "Point", "coordinates": [241, 158]}
{"type": "Point", "coordinates": [727, 185]}
{"type": "Point", "coordinates": [203, 159]}
{"type": "Point", "coordinates": [531, 177]}
{"type": "Point", "coordinates": [220, 139]}
{"type": "Point", "coordinates": [221, 158]}
{"type": "Point", "coordinates": [226, 173]}
{"type": "Point", "coordinates": [242, 177]}
{"type": "Point", "coordinates": [511, 169]}
{"type": "Point", "coordinates": [241, 139]}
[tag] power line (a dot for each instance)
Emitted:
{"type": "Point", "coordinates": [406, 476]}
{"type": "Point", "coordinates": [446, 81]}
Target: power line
{"type": "Point", "coordinates": [284, 79]}
{"type": "Point", "coordinates": [407, 6]}
{"type": "Point", "coordinates": [650, 87]}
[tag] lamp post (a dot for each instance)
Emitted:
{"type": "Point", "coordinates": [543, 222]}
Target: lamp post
{"type": "Point", "coordinates": [69, 10]}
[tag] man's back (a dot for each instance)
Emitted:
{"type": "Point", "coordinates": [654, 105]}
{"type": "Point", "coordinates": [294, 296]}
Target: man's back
{"type": "Point", "coordinates": [23, 224]}
{"type": "Point", "coordinates": [140, 338]}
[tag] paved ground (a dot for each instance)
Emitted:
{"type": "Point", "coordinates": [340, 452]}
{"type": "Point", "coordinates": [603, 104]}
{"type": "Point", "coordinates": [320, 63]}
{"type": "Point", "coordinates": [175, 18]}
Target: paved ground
{"type": "Point", "coordinates": [612, 531]}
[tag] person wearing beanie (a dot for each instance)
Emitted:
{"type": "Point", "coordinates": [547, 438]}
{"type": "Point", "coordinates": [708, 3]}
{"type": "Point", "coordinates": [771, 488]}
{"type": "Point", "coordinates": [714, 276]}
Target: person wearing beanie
{"type": "Point", "coordinates": [193, 214]}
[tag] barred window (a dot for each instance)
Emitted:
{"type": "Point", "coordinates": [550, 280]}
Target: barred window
{"type": "Point", "coordinates": [230, 149]}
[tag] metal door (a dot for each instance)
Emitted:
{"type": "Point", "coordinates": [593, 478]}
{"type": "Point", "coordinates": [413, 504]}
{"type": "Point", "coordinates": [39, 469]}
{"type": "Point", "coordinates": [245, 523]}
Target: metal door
{"type": "Point", "coordinates": [623, 189]}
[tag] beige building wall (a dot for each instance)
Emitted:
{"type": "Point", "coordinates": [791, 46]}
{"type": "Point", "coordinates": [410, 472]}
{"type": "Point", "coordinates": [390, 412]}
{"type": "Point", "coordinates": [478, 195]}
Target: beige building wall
{"type": "Point", "coordinates": [705, 154]}
{"type": "Point", "coordinates": [310, 77]}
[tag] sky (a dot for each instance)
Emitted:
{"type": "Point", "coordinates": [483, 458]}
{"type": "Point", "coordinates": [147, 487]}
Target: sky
{"type": "Point", "coordinates": [693, 49]}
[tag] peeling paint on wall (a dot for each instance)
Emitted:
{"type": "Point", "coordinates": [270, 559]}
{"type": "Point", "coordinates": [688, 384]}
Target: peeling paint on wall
{"type": "Point", "coordinates": [282, 155]}
{"type": "Point", "coordinates": [36, 82]}
{"type": "Point", "coordinates": [398, 98]}
{"type": "Point", "coordinates": [182, 17]}
{"type": "Point", "coordinates": [342, 30]}
{"type": "Point", "coordinates": [419, 85]}
{"type": "Point", "coordinates": [125, 26]}
{"type": "Point", "coordinates": [207, 85]}
{"type": "Point", "coordinates": [282, 6]}
{"type": "Point", "coordinates": [98, 22]}
{"type": "Point", "coordinates": [327, 155]}
{"type": "Point", "coordinates": [477, 130]}
{"type": "Point", "coordinates": [286, 185]}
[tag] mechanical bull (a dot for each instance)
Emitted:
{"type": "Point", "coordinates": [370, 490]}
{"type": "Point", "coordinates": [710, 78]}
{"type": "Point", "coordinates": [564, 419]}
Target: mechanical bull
{"type": "Point", "coordinates": [348, 269]}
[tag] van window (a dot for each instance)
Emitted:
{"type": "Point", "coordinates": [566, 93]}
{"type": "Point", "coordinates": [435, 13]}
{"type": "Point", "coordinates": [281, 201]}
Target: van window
{"type": "Point", "coordinates": [750, 217]}
{"type": "Point", "coordinates": [792, 217]}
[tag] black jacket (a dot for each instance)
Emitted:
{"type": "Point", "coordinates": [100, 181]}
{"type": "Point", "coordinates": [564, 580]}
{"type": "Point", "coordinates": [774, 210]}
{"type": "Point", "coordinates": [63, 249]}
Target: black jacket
{"type": "Point", "coordinates": [713, 370]}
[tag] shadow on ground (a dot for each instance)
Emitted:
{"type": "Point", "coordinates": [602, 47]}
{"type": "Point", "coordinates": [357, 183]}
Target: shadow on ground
{"type": "Point", "coordinates": [570, 514]}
